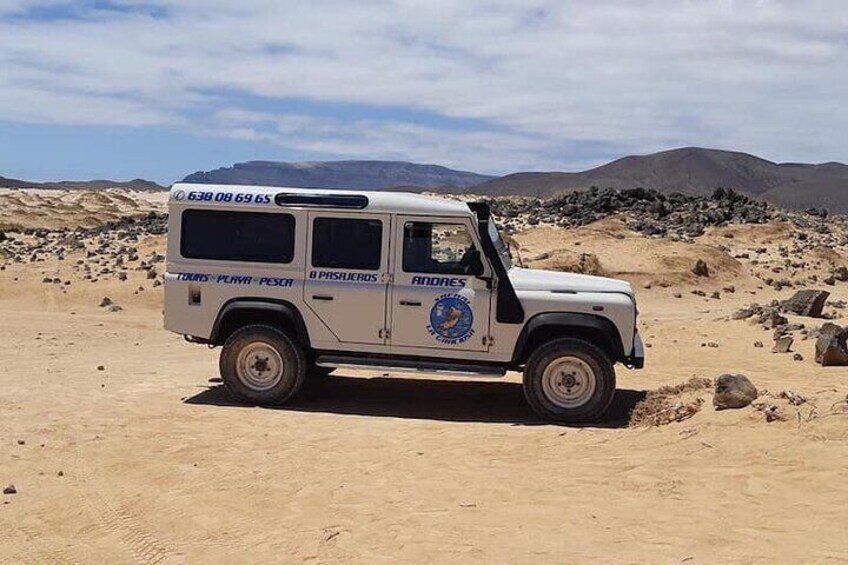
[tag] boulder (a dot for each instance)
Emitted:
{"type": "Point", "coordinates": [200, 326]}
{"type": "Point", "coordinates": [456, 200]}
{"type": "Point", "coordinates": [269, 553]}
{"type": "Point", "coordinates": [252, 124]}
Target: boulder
{"type": "Point", "coordinates": [806, 303]}
{"type": "Point", "coordinates": [733, 391]}
{"type": "Point", "coordinates": [831, 348]}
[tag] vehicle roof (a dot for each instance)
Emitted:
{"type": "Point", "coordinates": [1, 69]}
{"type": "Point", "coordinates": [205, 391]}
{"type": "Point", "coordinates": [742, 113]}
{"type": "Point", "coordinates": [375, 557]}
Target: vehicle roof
{"type": "Point", "coordinates": [378, 201]}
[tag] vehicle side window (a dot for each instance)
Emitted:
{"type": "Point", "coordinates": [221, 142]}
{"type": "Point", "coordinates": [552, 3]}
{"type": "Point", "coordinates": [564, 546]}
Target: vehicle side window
{"type": "Point", "coordinates": [347, 243]}
{"type": "Point", "coordinates": [237, 236]}
{"type": "Point", "coordinates": [445, 249]}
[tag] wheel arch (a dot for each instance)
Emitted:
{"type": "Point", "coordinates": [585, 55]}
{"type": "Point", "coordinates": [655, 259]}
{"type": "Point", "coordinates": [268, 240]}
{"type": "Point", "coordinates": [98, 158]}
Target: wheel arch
{"type": "Point", "coordinates": [240, 312]}
{"type": "Point", "coordinates": [551, 325]}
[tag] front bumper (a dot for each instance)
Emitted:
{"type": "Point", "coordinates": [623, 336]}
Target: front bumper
{"type": "Point", "coordinates": [637, 358]}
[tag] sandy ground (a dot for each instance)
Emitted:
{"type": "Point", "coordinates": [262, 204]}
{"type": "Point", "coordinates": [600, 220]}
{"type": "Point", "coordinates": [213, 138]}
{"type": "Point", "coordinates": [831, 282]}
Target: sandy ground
{"type": "Point", "coordinates": [149, 460]}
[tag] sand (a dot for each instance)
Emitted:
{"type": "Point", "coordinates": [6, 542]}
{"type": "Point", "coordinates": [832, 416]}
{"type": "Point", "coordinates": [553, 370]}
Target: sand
{"type": "Point", "coordinates": [149, 460]}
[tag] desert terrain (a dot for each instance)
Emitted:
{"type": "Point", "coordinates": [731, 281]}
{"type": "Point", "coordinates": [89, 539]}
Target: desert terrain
{"type": "Point", "coordinates": [123, 446]}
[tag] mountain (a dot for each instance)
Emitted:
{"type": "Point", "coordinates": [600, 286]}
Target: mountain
{"type": "Point", "coordinates": [694, 170]}
{"type": "Point", "coordinates": [135, 184]}
{"type": "Point", "coordinates": [15, 183]}
{"type": "Point", "coordinates": [339, 174]}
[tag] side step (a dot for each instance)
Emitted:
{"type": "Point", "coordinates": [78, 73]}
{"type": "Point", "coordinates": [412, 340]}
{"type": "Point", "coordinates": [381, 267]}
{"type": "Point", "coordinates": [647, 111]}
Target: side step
{"type": "Point", "coordinates": [409, 366]}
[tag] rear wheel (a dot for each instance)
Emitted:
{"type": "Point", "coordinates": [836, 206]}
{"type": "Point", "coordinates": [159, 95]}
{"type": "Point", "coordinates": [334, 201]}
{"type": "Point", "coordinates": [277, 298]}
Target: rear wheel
{"type": "Point", "coordinates": [262, 365]}
{"type": "Point", "coordinates": [569, 380]}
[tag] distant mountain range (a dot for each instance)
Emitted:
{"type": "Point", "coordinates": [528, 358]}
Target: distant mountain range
{"type": "Point", "coordinates": [690, 170]}
{"type": "Point", "coordinates": [136, 184]}
{"type": "Point", "coordinates": [693, 170]}
{"type": "Point", "coordinates": [373, 175]}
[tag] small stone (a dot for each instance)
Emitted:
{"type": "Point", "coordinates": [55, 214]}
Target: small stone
{"type": "Point", "coordinates": [782, 344]}
{"type": "Point", "coordinates": [115, 308]}
{"type": "Point", "coordinates": [101, 368]}
{"type": "Point", "coordinates": [10, 490]}
{"type": "Point", "coordinates": [716, 295]}
{"type": "Point", "coordinates": [794, 398]}
{"type": "Point", "coordinates": [797, 357]}
{"type": "Point", "coordinates": [772, 412]}
{"type": "Point", "coordinates": [700, 269]}
{"type": "Point", "coordinates": [106, 302]}
{"type": "Point", "coordinates": [60, 473]}
{"type": "Point", "coordinates": [758, 344]}
{"type": "Point", "coordinates": [21, 442]}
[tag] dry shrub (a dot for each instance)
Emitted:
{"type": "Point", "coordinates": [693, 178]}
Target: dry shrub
{"type": "Point", "coordinates": [665, 405]}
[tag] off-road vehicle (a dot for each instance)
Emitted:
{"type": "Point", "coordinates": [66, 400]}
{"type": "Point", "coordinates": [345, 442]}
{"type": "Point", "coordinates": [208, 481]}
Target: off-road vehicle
{"type": "Point", "coordinates": [294, 283]}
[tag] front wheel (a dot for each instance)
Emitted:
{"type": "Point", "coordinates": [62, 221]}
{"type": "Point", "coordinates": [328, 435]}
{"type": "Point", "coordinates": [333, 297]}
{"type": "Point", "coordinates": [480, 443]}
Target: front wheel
{"type": "Point", "coordinates": [569, 380]}
{"type": "Point", "coordinates": [262, 365]}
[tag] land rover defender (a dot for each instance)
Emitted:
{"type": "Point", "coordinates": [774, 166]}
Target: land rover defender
{"type": "Point", "coordinates": [294, 283]}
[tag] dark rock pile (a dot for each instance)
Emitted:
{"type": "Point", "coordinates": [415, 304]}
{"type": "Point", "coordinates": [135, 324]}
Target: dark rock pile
{"type": "Point", "coordinates": [649, 212]}
{"type": "Point", "coordinates": [110, 249]}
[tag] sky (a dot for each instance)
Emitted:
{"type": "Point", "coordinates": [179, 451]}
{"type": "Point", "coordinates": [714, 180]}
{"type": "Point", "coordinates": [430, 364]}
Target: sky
{"type": "Point", "coordinates": [161, 88]}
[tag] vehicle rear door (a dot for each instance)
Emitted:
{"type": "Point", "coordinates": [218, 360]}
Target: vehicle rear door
{"type": "Point", "coordinates": [347, 274]}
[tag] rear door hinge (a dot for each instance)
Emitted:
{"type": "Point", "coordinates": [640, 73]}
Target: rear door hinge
{"type": "Point", "coordinates": [488, 340]}
{"type": "Point", "coordinates": [384, 333]}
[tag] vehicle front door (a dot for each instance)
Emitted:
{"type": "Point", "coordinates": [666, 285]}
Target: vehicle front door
{"type": "Point", "coordinates": [347, 274]}
{"type": "Point", "coordinates": [441, 295]}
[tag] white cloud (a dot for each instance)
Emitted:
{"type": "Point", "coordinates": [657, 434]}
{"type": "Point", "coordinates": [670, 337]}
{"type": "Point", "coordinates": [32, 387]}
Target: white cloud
{"type": "Point", "coordinates": [536, 79]}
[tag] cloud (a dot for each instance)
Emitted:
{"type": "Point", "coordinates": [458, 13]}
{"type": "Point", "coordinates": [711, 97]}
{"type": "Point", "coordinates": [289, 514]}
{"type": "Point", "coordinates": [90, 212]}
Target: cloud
{"type": "Point", "coordinates": [492, 85]}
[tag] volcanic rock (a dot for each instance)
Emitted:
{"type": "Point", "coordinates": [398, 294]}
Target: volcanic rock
{"type": "Point", "coordinates": [831, 347]}
{"type": "Point", "coordinates": [700, 269]}
{"type": "Point", "coordinates": [806, 303]}
{"type": "Point", "coordinates": [782, 344]}
{"type": "Point", "coordinates": [733, 391]}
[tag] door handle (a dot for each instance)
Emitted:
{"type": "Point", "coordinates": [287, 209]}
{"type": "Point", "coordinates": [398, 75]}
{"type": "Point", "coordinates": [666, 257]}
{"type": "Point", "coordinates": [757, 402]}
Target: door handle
{"type": "Point", "coordinates": [410, 303]}
{"type": "Point", "coordinates": [321, 297]}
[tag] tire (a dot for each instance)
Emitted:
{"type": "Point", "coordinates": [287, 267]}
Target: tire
{"type": "Point", "coordinates": [569, 380]}
{"type": "Point", "coordinates": [262, 365]}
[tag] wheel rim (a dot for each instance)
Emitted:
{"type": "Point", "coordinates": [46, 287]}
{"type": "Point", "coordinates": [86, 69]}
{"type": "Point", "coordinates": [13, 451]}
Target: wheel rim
{"type": "Point", "coordinates": [568, 382]}
{"type": "Point", "coordinates": [259, 366]}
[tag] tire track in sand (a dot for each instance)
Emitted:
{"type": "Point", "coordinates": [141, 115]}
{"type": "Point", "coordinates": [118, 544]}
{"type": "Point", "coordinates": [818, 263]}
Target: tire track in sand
{"type": "Point", "coordinates": [143, 546]}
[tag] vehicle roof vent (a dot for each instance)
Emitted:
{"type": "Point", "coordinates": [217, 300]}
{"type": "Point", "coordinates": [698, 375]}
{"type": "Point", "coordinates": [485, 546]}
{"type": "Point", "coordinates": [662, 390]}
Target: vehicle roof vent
{"type": "Point", "coordinates": [353, 201]}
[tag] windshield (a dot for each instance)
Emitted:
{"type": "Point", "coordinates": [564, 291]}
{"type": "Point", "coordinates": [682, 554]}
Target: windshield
{"type": "Point", "coordinates": [500, 246]}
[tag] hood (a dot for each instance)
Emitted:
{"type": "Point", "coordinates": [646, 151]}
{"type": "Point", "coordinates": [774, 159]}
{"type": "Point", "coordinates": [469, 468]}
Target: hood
{"type": "Point", "coordinates": [534, 279]}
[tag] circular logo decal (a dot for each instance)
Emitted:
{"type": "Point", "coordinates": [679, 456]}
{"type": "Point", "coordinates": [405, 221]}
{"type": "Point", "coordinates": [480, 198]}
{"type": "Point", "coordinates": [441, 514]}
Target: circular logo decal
{"type": "Point", "coordinates": [451, 319]}
{"type": "Point", "coordinates": [179, 195]}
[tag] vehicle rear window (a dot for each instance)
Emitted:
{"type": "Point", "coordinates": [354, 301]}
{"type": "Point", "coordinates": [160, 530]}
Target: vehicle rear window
{"type": "Point", "coordinates": [237, 236]}
{"type": "Point", "coordinates": [346, 243]}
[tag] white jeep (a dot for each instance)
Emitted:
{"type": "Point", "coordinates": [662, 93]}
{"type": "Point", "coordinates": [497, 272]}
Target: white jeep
{"type": "Point", "coordinates": [294, 283]}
